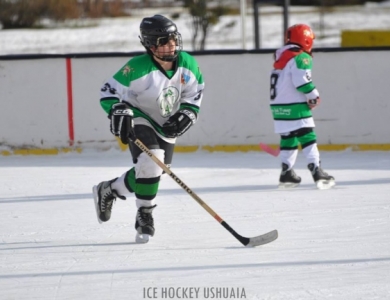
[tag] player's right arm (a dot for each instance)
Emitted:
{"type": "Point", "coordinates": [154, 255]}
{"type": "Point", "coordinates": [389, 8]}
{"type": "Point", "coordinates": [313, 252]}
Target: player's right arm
{"type": "Point", "coordinates": [109, 95]}
{"type": "Point", "coordinates": [120, 114]}
{"type": "Point", "coordinates": [114, 89]}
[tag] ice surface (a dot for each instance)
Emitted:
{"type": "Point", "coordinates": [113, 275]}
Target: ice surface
{"type": "Point", "coordinates": [333, 244]}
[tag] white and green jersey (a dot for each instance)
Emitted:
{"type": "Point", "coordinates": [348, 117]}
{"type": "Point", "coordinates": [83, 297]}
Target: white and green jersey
{"type": "Point", "coordinates": [291, 87]}
{"type": "Point", "coordinates": [155, 94]}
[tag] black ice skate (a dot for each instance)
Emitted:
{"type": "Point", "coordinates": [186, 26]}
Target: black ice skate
{"type": "Point", "coordinates": [322, 179]}
{"type": "Point", "coordinates": [144, 224]}
{"type": "Point", "coordinates": [288, 178]}
{"type": "Point", "coordinates": [104, 198]}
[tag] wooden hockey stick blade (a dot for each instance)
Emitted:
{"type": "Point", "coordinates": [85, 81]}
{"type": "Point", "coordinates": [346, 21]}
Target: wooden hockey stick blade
{"type": "Point", "coordinates": [251, 242]}
{"type": "Point", "coordinates": [269, 150]}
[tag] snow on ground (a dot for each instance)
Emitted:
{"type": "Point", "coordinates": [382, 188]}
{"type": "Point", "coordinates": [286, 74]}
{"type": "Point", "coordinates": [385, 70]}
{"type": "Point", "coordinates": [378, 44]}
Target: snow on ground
{"type": "Point", "coordinates": [121, 34]}
{"type": "Point", "coordinates": [333, 244]}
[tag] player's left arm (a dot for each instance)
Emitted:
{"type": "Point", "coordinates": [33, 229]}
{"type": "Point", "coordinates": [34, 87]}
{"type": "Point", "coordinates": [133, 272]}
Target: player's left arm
{"type": "Point", "coordinates": [302, 79]}
{"type": "Point", "coordinates": [190, 101]}
{"type": "Point", "coordinates": [192, 93]}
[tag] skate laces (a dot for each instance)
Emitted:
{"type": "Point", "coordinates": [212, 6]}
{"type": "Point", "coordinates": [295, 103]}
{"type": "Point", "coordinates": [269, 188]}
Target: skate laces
{"type": "Point", "coordinates": [110, 197]}
{"type": "Point", "coordinates": [145, 218]}
{"type": "Point", "coordinates": [107, 201]}
{"type": "Point", "coordinates": [107, 197]}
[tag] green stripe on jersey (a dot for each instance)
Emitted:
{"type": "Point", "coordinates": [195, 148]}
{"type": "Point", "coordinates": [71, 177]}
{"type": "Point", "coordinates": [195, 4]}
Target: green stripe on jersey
{"type": "Point", "coordinates": [293, 111]}
{"type": "Point", "coordinates": [139, 113]}
{"type": "Point", "coordinates": [107, 103]}
{"type": "Point", "coordinates": [306, 88]}
{"type": "Point", "coordinates": [190, 106]}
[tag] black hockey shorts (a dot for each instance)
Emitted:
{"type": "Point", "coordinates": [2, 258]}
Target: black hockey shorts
{"type": "Point", "coordinates": [150, 139]}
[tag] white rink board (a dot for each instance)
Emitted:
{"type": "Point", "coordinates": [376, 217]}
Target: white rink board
{"type": "Point", "coordinates": [33, 103]}
{"type": "Point", "coordinates": [235, 110]}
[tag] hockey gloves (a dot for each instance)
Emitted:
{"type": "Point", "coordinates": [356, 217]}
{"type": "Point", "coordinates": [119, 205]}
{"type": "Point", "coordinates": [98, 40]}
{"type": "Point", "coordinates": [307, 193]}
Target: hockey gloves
{"type": "Point", "coordinates": [179, 123]}
{"type": "Point", "coordinates": [313, 102]}
{"type": "Point", "coordinates": [121, 122]}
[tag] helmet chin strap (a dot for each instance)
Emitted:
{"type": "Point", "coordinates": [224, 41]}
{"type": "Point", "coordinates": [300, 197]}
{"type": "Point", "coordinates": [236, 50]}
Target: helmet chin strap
{"type": "Point", "coordinates": [167, 58]}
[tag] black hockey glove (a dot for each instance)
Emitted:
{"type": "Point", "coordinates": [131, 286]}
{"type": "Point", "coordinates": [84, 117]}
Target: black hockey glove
{"type": "Point", "coordinates": [313, 103]}
{"type": "Point", "coordinates": [121, 122]}
{"type": "Point", "coordinates": [179, 123]}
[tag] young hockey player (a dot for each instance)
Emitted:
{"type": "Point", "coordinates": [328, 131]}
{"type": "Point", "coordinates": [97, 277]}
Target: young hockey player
{"type": "Point", "coordinates": [293, 95]}
{"type": "Point", "coordinates": [154, 97]}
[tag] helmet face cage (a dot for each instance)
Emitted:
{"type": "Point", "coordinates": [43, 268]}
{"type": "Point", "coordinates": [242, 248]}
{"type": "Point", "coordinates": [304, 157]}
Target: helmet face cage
{"type": "Point", "coordinates": [158, 31]}
{"type": "Point", "coordinates": [163, 40]}
{"type": "Point", "coordinates": [301, 35]}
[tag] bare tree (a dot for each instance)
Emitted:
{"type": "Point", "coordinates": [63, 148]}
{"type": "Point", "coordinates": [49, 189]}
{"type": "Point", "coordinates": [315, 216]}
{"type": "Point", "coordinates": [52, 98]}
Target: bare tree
{"type": "Point", "coordinates": [202, 17]}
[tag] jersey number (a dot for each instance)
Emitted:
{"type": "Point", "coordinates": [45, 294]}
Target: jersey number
{"type": "Point", "coordinates": [274, 80]}
{"type": "Point", "coordinates": [106, 87]}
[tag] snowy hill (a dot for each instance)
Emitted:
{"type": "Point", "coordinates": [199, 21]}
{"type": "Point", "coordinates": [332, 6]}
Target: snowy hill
{"type": "Point", "coordinates": [121, 34]}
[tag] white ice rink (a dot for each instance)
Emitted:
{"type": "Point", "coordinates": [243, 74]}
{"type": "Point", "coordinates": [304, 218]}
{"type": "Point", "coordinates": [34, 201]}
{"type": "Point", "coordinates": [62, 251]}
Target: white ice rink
{"type": "Point", "coordinates": [333, 244]}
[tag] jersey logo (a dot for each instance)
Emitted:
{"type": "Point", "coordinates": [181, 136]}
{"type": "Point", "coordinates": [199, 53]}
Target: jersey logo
{"type": "Point", "coordinates": [167, 100]}
{"type": "Point", "coordinates": [126, 70]}
{"type": "Point", "coordinates": [184, 78]}
{"type": "Point", "coordinates": [280, 111]}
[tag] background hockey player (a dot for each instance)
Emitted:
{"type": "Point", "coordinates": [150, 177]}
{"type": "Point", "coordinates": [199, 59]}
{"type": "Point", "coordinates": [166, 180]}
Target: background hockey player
{"type": "Point", "coordinates": [292, 97]}
{"type": "Point", "coordinates": [155, 98]}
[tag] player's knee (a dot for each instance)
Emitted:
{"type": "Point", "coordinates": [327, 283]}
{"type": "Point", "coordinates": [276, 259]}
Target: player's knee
{"type": "Point", "coordinates": [146, 167]}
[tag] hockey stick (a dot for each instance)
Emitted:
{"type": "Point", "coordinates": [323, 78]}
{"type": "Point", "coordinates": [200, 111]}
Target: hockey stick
{"type": "Point", "coordinates": [250, 242]}
{"type": "Point", "coordinates": [269, 150]}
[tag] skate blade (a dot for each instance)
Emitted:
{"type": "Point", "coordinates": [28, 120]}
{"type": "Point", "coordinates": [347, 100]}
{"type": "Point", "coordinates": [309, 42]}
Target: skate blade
{"type": "Point", "coordinates": [287, 185]}
{"type": "Point", "coordinates": [325, 184]}
{"type": "Point", "coordinates": [142, 238]}
{"type": "Point", "coordinates": [95, 200]}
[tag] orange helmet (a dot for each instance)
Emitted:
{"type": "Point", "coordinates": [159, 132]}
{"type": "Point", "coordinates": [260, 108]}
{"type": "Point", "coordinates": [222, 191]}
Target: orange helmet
{"type": "Point", "coordinates": [301, 35]}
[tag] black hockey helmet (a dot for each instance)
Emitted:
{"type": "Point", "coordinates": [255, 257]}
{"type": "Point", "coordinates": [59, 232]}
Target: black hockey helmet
{"type": "Point", "coordinates": [158, 30]}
